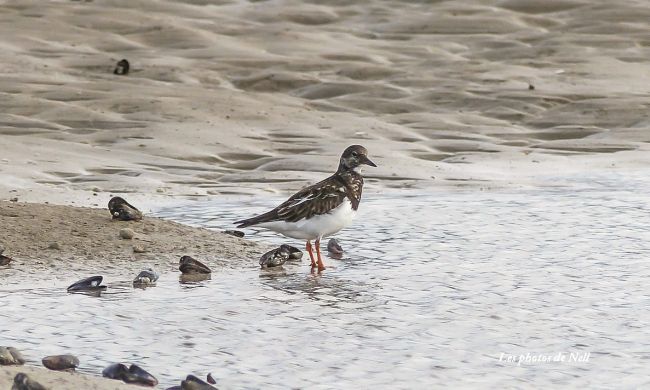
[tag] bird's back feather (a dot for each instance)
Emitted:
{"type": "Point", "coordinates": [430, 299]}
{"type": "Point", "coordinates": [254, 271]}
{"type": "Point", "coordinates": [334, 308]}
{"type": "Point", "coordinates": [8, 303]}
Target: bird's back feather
{"type": "Point", "coordinates": [317, 199]}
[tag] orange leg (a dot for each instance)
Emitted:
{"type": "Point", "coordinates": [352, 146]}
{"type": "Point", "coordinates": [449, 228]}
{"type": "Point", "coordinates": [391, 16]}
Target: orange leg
{"type": "Point", "coordinates": [311, 254]}
{"type": "Point", "coordinates": [321, 266]}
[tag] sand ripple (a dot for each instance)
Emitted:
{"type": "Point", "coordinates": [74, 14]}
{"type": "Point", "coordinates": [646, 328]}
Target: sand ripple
{"type": "Point", "coordinates": [416, 82]}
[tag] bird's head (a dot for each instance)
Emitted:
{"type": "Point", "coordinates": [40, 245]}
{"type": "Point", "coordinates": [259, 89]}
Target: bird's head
{"type": "Point", "coordinates": [353, 157]}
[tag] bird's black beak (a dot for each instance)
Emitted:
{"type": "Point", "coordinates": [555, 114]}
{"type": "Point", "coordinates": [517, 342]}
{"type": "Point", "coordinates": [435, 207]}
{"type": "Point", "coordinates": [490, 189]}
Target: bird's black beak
{"type": "Point", "coordinates": [366, 160]}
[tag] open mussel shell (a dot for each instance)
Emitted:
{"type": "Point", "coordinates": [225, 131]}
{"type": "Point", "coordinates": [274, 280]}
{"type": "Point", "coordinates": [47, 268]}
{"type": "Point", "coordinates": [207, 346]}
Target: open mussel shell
{"type": "Point", "coordinates": [334, 247]}
{"type": "Point", "coordinates": [10, 356]}
{"type": "Point", "coordinates": [134, 374]}
{"type": "Point", "coordinates": [194, 383]}
{"type": "Point", "coordinates": [294, 253]}
{"type": "Point", "coordinates": [61, 362]}
{"type": "Point", "coordinates": [147, 277]}
{"type": "Point", "coordinates": [275, 257]}
{"type": "Point", "coordinates": [92, 283]}
{"type": "Point", "coordinates": [189, 265]}
{"type": "Point", "coordinates": [122, 210]}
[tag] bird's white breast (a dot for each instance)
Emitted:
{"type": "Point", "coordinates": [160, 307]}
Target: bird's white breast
{"type": "Point", "coordinates": [317, 226]}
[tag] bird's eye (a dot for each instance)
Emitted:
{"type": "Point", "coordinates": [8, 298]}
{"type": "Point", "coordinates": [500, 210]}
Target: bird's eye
{"type": "Point", "coordinates": [354, 154]}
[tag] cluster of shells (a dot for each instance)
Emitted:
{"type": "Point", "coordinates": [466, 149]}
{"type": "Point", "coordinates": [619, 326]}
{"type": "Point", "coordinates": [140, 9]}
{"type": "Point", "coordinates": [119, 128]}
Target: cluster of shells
{"type": "Point", "coordinates": [191, 270]}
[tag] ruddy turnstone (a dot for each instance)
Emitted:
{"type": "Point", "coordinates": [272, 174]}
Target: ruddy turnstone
{"type": "Point", "coordinates": [322, 209]}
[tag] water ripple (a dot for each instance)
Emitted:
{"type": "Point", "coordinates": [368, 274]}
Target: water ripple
{"type": "Point", "coordinates": [432, 289]}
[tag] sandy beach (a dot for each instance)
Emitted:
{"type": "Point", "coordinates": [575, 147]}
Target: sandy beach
{"type": "Point", "coordinates": [60, 380]}
{"type": "Point", "coordinates": [81, 239]}
{"type": "Point", "coordinates": [49, 243]}
{"type": "Point", "coordinates": [238, 98]}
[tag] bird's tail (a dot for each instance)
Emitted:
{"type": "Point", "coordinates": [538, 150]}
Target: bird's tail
{"type": "Point", "coordinates": [266, 217]}
{"type": "Point", "coordinates": [245, 223]}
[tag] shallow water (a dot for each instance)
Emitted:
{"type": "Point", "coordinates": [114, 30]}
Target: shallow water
{"type": "Point", "coordinates": [432, 290]}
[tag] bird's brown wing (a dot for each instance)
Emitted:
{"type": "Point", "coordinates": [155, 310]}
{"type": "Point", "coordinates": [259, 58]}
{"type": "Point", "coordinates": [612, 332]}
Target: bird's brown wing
{"type": "Point", "coordinates": [316, 199]}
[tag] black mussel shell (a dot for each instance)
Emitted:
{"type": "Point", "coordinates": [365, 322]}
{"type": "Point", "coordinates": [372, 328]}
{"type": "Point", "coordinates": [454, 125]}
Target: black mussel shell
{"type": "Point", "coordinates": [24, 382]}
{"type": "Point", "coordinates": [194, 383]}
{"type": "Point", "coordinates": [148, 277]}
{"type": "Point", "coordinates": [61, 362]}
{"type": "Point", "coordinates": [211, 379]}
{"type": "Point", "coordinates": [134, 374]}
{"type": "Point", "coordinates": [275, 257]}
{"type": "Point", "coordinates": [4, 260]}
{"type": "Point", "coordinates": [334, 247]}
{"type": "Point", "coordinates": [137, 375]}
{"type": "Point", "coordinates": [89, 284]}
{"type": "Point", "coordinates": [122, 68]}
{"type": "Point", "coordinates": [115, 371]}
{"type": "Point", "coordinates": [236, 233]}
{"type": "Point", "coordinates": [122, 210]}
{"type": "Point", "coordinates": [189, 265]}
{"type": "Point", "coordinates": [294, 253]}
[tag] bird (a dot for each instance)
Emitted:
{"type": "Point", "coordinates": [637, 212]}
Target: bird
{"type": "Point", "coordinates": [321, 209]}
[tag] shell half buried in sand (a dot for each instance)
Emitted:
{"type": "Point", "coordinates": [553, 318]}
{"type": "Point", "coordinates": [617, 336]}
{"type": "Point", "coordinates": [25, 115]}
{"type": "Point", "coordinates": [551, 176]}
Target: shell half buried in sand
{"type": "Point", "coordinates": [190, 265]}
{"type": "Point", "coordinates": [122, 210]}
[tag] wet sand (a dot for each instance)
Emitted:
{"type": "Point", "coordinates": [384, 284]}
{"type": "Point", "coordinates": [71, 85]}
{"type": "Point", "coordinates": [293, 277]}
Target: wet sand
{"type": "Point", "coordinates": [236, 97]}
